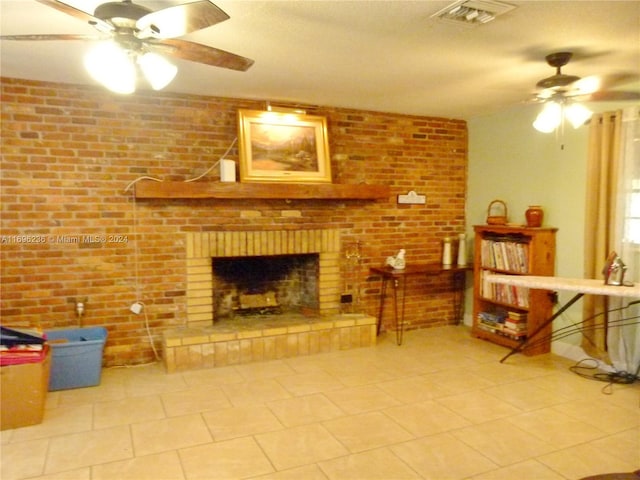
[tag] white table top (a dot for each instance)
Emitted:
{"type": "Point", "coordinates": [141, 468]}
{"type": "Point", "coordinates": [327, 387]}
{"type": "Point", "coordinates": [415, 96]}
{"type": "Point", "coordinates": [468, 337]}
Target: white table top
{"type": "Point", "coordinates": [578, 285]}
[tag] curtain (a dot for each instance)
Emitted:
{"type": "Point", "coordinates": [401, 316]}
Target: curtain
{"type": "Point", "coordinates": [623, 340]}
{"type": "Point", "coordinates": [602, 177]}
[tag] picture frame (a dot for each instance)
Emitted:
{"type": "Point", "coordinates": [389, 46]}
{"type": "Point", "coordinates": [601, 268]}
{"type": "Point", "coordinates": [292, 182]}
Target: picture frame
{"type": "Point", "coordinates": [283, 147]}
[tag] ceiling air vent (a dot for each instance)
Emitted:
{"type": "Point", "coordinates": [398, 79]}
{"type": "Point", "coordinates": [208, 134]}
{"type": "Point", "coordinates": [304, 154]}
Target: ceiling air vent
{"type": "Point", "coordinates": [472, 12]}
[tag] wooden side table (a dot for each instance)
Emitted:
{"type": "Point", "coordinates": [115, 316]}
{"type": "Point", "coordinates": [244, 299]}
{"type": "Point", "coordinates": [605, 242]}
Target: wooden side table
{"type": "Point", "coordinates": [399, 282]}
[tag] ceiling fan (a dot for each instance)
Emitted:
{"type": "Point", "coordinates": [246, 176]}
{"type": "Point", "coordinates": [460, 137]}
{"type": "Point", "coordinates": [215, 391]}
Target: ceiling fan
{"type": "Point", "coordinates": [592, 88]}
{"type": "Point", "coordinates": [561, 93]}
{"type": "Point", "coordinates": [134, 34]}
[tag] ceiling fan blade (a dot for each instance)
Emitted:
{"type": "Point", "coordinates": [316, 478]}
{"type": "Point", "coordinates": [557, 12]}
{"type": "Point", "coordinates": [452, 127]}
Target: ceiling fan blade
{"type": "Point", "coordinates": [585, 86]}
{"type": "Point", "coordinates": [612, 96]}
{"type": "Point", "coordinates": [196, 52]}
{"type": "Point", "coordinates": [51, 36]}
{"type": "Point", "coordinates": [79, 14]}
{"type": "Point", "coordinates": [179, 20]}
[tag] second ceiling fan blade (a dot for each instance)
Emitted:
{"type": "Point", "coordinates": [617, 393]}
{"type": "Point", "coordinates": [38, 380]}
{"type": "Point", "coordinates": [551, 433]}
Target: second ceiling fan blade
{"type": "Point", "coordinates": [52, 36]}
{"type": "Point", "coordinates": [179, 20]}
{"type": "Point", "coordinates": [198, 53]}
{"type": "Point", "coordinates": [79, 14]}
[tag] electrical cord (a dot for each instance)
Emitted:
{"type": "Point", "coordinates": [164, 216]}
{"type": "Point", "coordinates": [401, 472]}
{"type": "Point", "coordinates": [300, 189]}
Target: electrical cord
{"type": "Point", "coordinates": [135, 236]}
{"type": "Point", "coordinates": [610, 378]}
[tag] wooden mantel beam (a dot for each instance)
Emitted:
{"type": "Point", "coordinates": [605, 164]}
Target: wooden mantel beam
{"type": "Point", "coordinates": [287, 191]}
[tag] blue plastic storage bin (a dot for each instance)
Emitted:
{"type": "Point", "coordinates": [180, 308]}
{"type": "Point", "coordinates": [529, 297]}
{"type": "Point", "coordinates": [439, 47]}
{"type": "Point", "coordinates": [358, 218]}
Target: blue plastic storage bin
{"type": "Point", "coordinates": [76, 357]}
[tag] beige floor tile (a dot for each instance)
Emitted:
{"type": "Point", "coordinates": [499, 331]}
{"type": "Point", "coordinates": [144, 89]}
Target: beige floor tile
{"type": "Point", "coordinates": [235, 422]}
{"type": "Point", "coordinates": [232, 459]}
{"type": "Point", "coordinates": [367, 431]}
{"type": "Point", "coordinates": [413, 389]}
{"type": "Point", "coordinates": [161, 466]}
{"type": "Point", "coordinates": [299, 446]}
{"type": "Point", "coordinates": [440, 457]}
{"type": "Point", "coordinates": [556, 428]}
{"type": "Point", "coordinates": [24, 459]}
{"type": "Point", "coordinates": [151, 380]}
{"type": "Point", "coordinates": [526, 396]}
{"type": "Point", "coordinates": [584, 460]}
{"type": "Point", "coordinates": [426, 418]}
{"type": "Point", "coordinates": [58, 421]}
{"type": "Point", "coordinates": [527, 470]}
{"type": "Point", "coordinates": [500, 373]}
{"type": "Point", "coordinates": [379, 464]}
{"type": "Point", "coordinates": [261, 370]}
{"type": "Point", "coordinates": [457, 381]}
{"type": "Point", "coordinates": [502, 442]}
{"type": "Point", "coordinates": [169, 434]}
{"type": "Point", "coordinates": [365, 375]}
{"type": "Point", "coordinates": [601, 414]}
{"type": "Point", "coordinates": [194, 400]}
{"type": "Point", "coordinates": [308, 383]}
{"type": "Point", "coordinates": [106, 391]}
{"type": "Point", "coordinates": [78, 474]}
{"type": "Point", "coordinates": [361, 399]}
{"type": "Point", "coordinates": [624, 445]}
{"type": "Point", "coordinates": [88, 448]}
{"type": "Point", "coordinates": [212, 376]}
{"type": "Point", "coordinates": [254, 392]}
{"type": "Point", "coordinates": [303, 410]}
{"type": "Point", "coordinates": [124, 412]}
{"type": "Point", "coordinates": [307, 472]}
{"type": "Point", "coordinates": [563, 382]}
{"type": "Point", "coordinates": [478, 407]}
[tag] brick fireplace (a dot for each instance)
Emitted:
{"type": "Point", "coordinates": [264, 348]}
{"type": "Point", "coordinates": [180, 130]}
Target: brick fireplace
{"type": "Point", "coordinates": [207, 342]}
{"type": "Point", "coordinates": [202, 247]}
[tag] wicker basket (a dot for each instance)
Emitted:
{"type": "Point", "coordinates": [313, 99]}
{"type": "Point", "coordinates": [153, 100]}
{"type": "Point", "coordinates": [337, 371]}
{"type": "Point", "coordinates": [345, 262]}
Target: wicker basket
{"type": "Point", "coordinates": [493, 219]}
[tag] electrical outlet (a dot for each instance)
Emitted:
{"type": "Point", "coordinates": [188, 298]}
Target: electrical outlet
{"type": "Point", "coordinates": [346, 298]}
{"type": "Point", "coordinates": [136, 308]}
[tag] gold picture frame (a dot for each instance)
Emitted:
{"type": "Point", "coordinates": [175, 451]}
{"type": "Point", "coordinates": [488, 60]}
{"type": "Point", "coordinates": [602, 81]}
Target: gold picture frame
{"type": "Point", "coordinates": [283, 147]}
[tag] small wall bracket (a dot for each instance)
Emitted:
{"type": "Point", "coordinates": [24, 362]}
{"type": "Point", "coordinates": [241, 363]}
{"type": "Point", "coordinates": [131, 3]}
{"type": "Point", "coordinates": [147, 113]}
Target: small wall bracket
{"type": "Point", "coordinates": [412, 198]}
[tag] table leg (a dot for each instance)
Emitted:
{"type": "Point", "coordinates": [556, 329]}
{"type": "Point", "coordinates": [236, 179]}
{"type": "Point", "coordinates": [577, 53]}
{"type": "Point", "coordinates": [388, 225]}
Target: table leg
{"type": "Point", "coordinates": [459, 281]}
{"type": "Point", "coordinates": [383, 294]}
{"type": "Point", "coordinates": [399, 319]}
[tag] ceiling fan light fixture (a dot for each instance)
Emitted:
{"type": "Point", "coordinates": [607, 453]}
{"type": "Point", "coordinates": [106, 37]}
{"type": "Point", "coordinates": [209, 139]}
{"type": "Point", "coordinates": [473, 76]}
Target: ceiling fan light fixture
{"type": "Point", "coordinates": [158, 71]}
{"type": "Point", "coordinates": [577, 114]}
{"type": "Point", "coordinates": [112, 66]}
{"type": "Point", "coordinates": [549, 118]}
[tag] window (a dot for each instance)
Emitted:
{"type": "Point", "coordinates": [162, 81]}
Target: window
{"type": "Point", "coordinates": [632, 219]}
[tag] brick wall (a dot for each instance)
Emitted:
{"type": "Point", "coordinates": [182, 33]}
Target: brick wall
{"type": "Point", "coordinates": [70, 231]}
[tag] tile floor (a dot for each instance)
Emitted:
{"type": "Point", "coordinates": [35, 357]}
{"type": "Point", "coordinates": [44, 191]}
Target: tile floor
{"type": "Point", "coordinates": [440, 406]}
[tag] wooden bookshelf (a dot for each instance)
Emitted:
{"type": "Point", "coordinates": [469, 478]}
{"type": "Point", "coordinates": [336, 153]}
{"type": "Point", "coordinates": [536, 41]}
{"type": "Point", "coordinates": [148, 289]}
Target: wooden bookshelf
{"type": "Point", "coordinates": [505, 314]}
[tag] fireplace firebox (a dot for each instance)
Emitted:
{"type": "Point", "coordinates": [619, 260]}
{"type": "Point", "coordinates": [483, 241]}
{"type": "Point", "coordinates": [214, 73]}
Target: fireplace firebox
{"type": "Point", "coordinates": [267, 284]}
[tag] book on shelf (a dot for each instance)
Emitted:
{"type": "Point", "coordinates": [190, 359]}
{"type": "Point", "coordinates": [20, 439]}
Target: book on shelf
{"type": "Point", "coordinates": [489, 322]}
{"type": "Point", "coordinates": [507, 255]}
{"type": "Point", "coordinates": [508, 294]}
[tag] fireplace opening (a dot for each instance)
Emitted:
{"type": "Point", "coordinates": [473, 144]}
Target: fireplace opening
{"type": "Point", "coordinates": [265, 285]}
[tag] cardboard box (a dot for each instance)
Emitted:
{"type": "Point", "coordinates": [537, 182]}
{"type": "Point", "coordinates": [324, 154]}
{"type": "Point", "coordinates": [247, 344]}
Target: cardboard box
{"type": "Point", "coordinates": [23, 392]}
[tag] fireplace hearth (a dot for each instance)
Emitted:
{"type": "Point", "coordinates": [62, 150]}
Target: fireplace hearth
{"type": "Point", "coordinates": [311, 324]}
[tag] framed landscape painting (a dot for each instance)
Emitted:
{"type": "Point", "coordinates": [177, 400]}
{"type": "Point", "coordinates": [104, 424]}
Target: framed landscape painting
{"type": "Point", "coordinates": [283, 147]}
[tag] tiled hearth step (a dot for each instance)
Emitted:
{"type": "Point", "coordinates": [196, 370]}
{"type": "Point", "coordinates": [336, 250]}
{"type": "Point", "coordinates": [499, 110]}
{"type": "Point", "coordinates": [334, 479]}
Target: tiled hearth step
{"type": "Point", "coordinates": [240, 341]}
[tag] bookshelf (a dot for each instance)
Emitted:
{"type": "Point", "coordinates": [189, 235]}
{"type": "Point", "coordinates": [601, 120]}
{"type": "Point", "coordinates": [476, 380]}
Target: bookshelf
{"type": "Point", "coordinates": [506, 314]}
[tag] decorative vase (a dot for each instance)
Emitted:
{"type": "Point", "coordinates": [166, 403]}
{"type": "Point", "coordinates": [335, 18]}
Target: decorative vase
{"type": "Point", "coordinates": [446, 252]}
{"type": "Point", "coordinates": [462, 250]}
{"type": "Point", "coordinates": [534, 216]}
